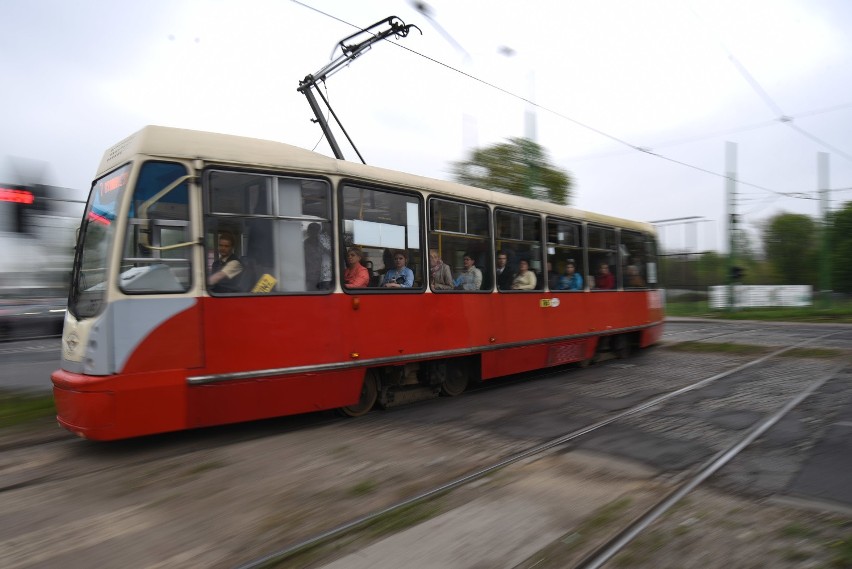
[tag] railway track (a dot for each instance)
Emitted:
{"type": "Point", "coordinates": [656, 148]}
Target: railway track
{"type": "Point", "coordinates": [426, 446]}
{"type": "Point", "coordinates": [281, 557]}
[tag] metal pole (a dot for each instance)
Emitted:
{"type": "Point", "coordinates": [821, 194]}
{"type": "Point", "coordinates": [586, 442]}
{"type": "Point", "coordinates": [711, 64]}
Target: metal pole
{"type": "Point", "coordinates": [731, 193]}
{"type": "Point", "coordinates": [306, 89]}
{"type": "Point", "coordinates": [824, 261]}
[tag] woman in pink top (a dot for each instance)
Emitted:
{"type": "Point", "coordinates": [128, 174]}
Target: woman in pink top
{"type": "Point", "coordinates": [355, 275]}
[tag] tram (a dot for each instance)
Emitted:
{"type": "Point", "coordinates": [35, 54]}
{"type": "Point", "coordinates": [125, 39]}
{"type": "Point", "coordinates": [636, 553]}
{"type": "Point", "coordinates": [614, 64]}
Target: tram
{"type": "Point", "coordinates": [153, 343]}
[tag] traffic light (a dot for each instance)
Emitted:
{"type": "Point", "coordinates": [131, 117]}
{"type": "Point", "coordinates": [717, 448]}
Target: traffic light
{"type": "Point", "coordinates": [15, 194]}
{"type": "Point", "coordinates": [21, 199]}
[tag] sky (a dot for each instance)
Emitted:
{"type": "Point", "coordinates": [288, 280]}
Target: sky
{"type": "Point", "coordinates": [637, 99]}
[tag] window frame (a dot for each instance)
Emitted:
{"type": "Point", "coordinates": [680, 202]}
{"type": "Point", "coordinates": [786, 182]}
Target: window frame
{"type": "Point", "coordinates": [488, 281]}
{"type": "Point", "coordinates": [579, 259]}
{"type": "Point", "coordinates": [155, 228]}
{"type": "Point", "coordinates": [272, 217]}
{"type": "Point", "coordinates": [540, 273]}
{"type": "Point", "coordinates": [421, 268]}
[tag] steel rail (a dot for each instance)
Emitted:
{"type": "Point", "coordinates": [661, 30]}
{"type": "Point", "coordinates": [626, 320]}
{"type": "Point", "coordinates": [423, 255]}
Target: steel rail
{"type": "Point", "coordinates": [612, 547]}
{"type": "Point", "coordinates": [346, 527]}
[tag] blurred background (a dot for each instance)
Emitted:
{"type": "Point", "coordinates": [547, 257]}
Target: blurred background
{"type": "Point", "coordinates": [38, 223]}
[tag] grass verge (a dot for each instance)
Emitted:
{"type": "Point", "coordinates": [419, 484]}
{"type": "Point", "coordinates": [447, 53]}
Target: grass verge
{"type": "Point", "coordinates": [838, 312]}
{"type": "Point", "coordinates": [719, 347]}
{"type": "Point", "coordinates": [17, 408]}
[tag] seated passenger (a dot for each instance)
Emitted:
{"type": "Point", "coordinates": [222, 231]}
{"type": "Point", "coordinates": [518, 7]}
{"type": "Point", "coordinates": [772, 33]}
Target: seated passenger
{"type": "Point", "coordinates": [399, 276]}
{"type": "Point", "coordinates": [317, 258]}
{"type": "Point", "coordinates": [552, 277]}
{"type": "Point", "coordinates": [226, 269]}
{"type": "Point", "coordinates": [355, 275]}
{"type": "Point", "coordinates": [632, 277]}
{"type": "Point", "coordinates": [571, 280]}
{"type": "Point", "coordinates": [605, 279]}
{"type": "Point", "coordinates": [504, 274]}
{"type": "Point", "coordinates": [525, 279]}
{"type": "Point", "coordinates": [440, 276]}
{"type": "Point", "coordinates": [470, 278]}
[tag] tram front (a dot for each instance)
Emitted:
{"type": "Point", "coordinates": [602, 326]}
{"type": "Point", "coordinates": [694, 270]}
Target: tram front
{"type": "Point", "coordinates": [133, 320]}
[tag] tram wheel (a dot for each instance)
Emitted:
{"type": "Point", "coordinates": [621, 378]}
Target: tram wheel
{"type": "Point", "coordinates": [456, 381]}
{"type": "Point", "coordinates": [369, 393]}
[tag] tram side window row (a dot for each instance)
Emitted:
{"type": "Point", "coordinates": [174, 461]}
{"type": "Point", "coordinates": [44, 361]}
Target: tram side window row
{"type": "Point", "coordinates": [268, 234]}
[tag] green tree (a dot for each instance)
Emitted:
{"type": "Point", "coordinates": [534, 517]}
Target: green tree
{"type": "Point", "coordinates": [792, 248]}
{"type": "Point", "coordinates": [518, 166]}
{"type": "Point", "coordinates": [712, 269]}
{"type": "Point", "coordinates": [840, 245]}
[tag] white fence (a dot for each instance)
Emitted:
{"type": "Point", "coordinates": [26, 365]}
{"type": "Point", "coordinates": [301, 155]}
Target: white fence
{"type": "Point", "coordinates": [754, 296]}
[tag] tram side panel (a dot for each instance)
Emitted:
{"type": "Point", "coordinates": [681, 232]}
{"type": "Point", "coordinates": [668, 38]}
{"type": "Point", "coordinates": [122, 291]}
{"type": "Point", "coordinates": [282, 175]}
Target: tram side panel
{"type": "Point", "coordinates": [259, 352]}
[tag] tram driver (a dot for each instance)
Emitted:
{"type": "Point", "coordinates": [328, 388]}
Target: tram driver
{"type": "Point", "coordinates": [226, 269]}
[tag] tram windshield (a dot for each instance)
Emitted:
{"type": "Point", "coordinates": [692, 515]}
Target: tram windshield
{"type": "Point", "coordinates": [97, 232]}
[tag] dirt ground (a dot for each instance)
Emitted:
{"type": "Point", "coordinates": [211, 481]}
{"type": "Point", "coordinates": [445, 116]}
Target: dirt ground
{"type": "Point", "coordinates": [221, 497]}
{"type": "Point", "coordinates": [199, 501]}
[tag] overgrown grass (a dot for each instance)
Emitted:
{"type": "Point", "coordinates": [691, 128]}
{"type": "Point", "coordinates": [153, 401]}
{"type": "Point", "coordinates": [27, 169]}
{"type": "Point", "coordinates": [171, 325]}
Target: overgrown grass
{"type": "Point", "coordinates": [839, 311]}
{"type": "Point", "coordinates": [363, 488]}
{"type": "Point", "coordinates": [719, 347]}
{"type": "Point", "coordinates": [403, 518]}
{"type": "Point", "coordinates": [812, 353]}
{"type": "Point", "coordinates": [842, 553]}
{"type": "Point", "coordinates": [16, 408]}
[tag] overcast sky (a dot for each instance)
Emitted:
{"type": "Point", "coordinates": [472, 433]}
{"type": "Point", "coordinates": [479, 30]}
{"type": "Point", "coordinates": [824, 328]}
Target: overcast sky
{"type": "Point", "coordinates": [677, 79]}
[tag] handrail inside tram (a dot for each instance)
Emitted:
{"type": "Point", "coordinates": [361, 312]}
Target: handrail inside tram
{"type": "Point", "coordinates": [143, 214]}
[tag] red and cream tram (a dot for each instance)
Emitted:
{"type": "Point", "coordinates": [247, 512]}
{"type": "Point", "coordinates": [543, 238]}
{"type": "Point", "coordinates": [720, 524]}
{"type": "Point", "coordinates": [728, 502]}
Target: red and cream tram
{"type": "Point", "coordinates": [151, 345]}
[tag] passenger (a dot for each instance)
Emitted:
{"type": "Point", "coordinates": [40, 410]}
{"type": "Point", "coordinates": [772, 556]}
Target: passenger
{"type": "Point", "coordinates": [633, 278]}
{"type": "Point", "coordinates": [525, 279]}
{"type": "Point", "coordinates": [605, 279]}
{"type": "Point", "coordinates": [440, 276]}
{"type": "Point", "coordinates": [504, 274]}
{"type": "Point", "coordinates": [571, 280]}
{"type": "Point", "coordinates": [356, 274]}
{"type": "Point", "coordinates": [552, 277]}
{"type": "Point", "coordinates": [226, 268]}
{"type": "Point", "coordinates": [317, 258]}
{"type": "Point", "coordinates": [387, 261]}
{"type": "Point", "coordinates": [470, 278]}
{"type": "Point", "coordinates": [400, 276]}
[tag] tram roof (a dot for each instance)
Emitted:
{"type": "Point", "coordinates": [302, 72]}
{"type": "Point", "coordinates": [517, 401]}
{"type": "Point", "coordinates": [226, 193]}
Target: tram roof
{"type": "Point", "coordinates": [226, 149]}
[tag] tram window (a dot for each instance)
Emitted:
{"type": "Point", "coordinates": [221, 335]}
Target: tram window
{"type": "Point", "coordinates": [459, 238]}
{"type": "Point", "coordinates": [238, 193]}
{"type": "Point", "coordinates": [282, 232]}
{"type": "Point", "coordinates": [158, 243]}
{"type": "Point", "coordinates": [519, 237]}
{"type": "Point", "coordinates": [651, 260]}
{"type": "Point", "coordinates": [633, 261]}
{"type": "Point", "coordinates": [603, 273]}
{"type": "Point", "coordinates": [386, 226]}
{"type": "Point", "coordinates": [565, 256]}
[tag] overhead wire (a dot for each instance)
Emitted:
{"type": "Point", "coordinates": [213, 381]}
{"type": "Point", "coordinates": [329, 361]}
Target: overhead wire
{"type": "Point", "coordinates": [780, 115]}
{"type": "Point", "coordinates": [633, 147]}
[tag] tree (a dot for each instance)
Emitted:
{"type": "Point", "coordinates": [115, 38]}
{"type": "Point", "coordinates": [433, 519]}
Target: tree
{"type": "Point", "coordinates": [792, 249]}
{"type": "Point", "coordinates": [518, 166]}
{"type": "Point", "coordinates": [840, 243]}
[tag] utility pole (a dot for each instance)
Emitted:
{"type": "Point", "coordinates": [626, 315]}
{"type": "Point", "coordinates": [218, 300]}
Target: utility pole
{"type": "Point", "coordinates": [824, 261]}
{"type": "Point", "coordinates": [731, 194]}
